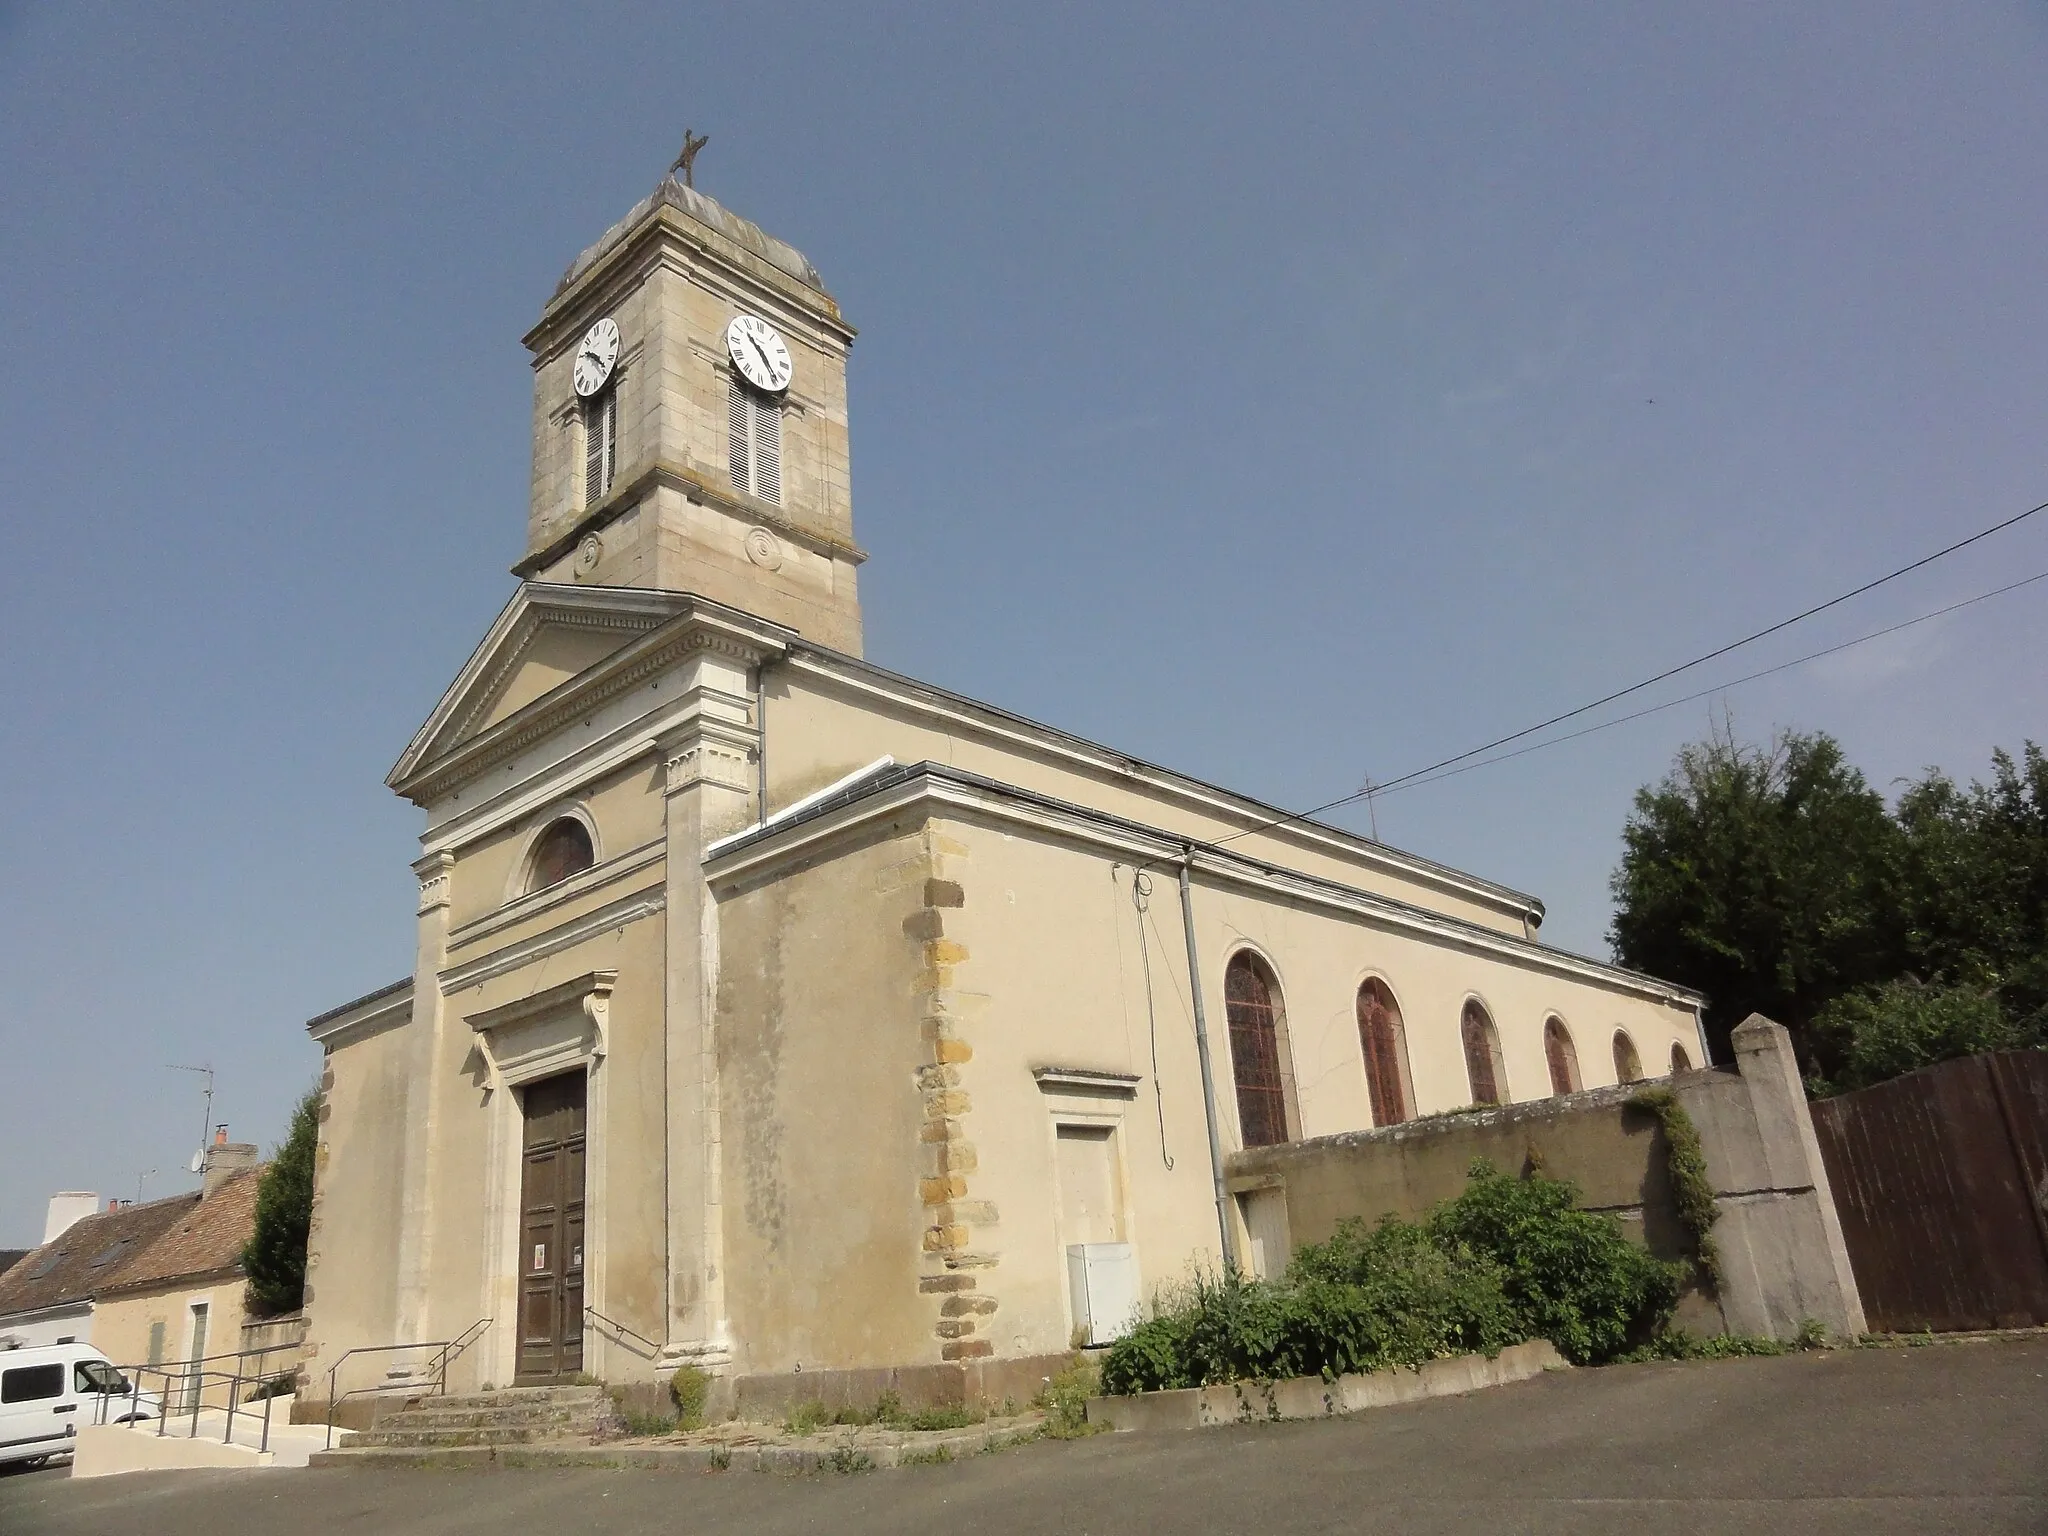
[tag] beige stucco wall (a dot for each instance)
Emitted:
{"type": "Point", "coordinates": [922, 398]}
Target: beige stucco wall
{"type": "Point", "coordinates": [623, 809]}
{"type": "Point", "coordinates": [822, 727]}
{"type": "Point", "coordinates": [121, 1328]}
{"type": "Point", "coordinates": [1052, 938]}
{"type": "Point", "coordinates": [359, 1168]}
{"type": "Point", "coordinates": [819, 1053]}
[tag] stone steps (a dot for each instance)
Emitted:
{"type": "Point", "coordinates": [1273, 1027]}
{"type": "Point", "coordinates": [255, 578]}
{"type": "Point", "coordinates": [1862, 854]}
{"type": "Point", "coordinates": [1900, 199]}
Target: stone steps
{"type": "Point", "coordinates": [514, 1416]}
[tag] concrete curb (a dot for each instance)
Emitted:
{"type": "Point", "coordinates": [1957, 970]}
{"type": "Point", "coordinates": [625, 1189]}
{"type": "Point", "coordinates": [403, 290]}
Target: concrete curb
{"type": "Point", "coordinates": [849, 1455]}
{"type": "Point", "coordinates": [1310, 1397]}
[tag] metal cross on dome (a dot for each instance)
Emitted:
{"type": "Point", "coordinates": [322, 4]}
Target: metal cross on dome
{"type": "Point", "coordinates": [686, 161]}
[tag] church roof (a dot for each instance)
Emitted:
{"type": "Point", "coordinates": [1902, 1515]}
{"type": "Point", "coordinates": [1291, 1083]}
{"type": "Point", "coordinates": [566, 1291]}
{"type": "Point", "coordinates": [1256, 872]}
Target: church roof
{"type": "Point", "coordinates": [454, 743]}
{"type": "Point", "coordinates": [688, 201]}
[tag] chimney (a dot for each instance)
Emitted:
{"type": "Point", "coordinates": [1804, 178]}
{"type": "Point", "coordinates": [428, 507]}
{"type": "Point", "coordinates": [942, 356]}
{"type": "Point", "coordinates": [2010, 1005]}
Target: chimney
{"type": "Point", "coordinates": [224, 1159]}
{"type": "Point", "coordinates": [67, 1207]}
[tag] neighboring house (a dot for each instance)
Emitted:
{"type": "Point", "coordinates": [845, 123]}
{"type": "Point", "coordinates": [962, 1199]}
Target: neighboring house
{"type": "Point", "coordinates": [182, 1298]}
{"type": "Point", "coordinates": [48, 1297]}
{"type": "Point", "coordinates": [153, 1284]}
{"type": "Point", "coordinates": [773, 1012]}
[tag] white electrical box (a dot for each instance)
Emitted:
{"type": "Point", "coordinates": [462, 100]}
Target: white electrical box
{"type": "Point", "coordinates": [1103, 1280]}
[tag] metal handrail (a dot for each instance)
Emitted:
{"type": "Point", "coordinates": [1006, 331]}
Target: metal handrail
{"type": "Point", "coordinates": [191, 1378]}
{"type": "Point", "coordinates": [616, 1326]}
{"type": "Point", "coordinates": [191, 1386]}
{"type": "Point", "coordinates": [449, 1350]}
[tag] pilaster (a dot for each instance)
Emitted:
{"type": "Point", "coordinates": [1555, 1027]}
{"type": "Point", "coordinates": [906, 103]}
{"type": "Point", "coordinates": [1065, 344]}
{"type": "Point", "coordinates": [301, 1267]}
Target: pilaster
{"type": "Point", "coordinates": [436, 873]}
{"type": "Point", "coordinates": [707, 791]}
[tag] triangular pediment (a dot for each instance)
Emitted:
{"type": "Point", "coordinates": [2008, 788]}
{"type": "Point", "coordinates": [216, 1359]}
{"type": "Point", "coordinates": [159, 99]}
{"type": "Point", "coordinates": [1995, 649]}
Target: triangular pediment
{"type": "Point", "coordinates": [546, 636]}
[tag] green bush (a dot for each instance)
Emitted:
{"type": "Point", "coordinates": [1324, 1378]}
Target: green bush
{"type": "Point", "coordinates": [1507, 1260]}
{"type": "Point", "coordinates": [1886, 1031]}
{"type": "Point", "coordinates": [1570, 1275]}
{"type": "Point", "coordinates": [689, 1389]}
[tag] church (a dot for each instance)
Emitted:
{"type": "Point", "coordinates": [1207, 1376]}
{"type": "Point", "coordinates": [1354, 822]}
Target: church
{"type": "Point", "coordinates": [780, 1015]}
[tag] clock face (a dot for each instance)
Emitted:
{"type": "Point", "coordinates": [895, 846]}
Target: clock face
{"type": "Point", "coordinates": [594, 359]}
{"type": "Point", "coordinates": [760, 354]}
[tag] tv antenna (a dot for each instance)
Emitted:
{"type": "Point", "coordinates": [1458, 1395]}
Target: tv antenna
{"type": "Point", "coordinates": [206, 1121]}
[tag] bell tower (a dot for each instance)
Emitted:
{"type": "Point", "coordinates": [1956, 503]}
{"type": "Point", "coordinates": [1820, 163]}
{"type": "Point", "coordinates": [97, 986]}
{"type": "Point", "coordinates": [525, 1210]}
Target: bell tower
{"type": "Point", "coordinates": [689, 421]}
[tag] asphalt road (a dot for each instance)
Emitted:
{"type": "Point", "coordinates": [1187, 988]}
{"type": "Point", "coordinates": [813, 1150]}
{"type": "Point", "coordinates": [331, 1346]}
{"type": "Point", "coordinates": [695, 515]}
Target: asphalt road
{"type": "Point", "coordinates": [1951, 1437]}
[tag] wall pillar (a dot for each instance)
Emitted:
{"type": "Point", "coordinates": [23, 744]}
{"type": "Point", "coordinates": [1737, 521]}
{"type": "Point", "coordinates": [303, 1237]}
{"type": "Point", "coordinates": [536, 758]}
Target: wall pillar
{"type": "Point", "coordinates": [1777, 1096]}
{"type": "Point", "coordinates": [707, 789]}
{"type": "Point", "coordinates": [436, 874]}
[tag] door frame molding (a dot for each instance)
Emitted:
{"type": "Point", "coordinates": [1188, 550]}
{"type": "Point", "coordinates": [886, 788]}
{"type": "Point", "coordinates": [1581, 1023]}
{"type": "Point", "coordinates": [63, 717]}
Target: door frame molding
{"type": "Point", "coordinates": [561, 1029]}
{"type": "Point", "coordinates": [1087, 1099]}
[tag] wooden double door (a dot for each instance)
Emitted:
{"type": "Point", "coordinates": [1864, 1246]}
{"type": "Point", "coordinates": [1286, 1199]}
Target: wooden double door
{"type": "Point", "coordinates": [551, 1229]}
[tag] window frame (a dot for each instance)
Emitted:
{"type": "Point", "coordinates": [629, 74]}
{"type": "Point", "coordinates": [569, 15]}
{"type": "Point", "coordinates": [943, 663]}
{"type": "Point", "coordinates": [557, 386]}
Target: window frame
{"type": "Point", "coordinates": [1496, 1062]}
{"type": "Point", "coordinates": [1554, 1027]}
{"type": "Point", "coordinates": [1248, 958]}
{"type": "Point", "coordinates": [1403, 1078]}
{"type": "Point", "coordinates": [529, 864]}
{"type": "Point", "coordinates": [1623, 1040]}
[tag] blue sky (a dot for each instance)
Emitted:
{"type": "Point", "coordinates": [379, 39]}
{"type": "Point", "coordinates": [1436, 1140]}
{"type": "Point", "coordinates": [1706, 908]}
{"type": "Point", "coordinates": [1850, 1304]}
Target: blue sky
{"type": "Point", "coordinates": [1289, 394]}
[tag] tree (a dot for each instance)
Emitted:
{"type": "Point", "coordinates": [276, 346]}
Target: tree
{"type": "Point", "coordinates": [274, 1258]}
{"type": "Point", "coordinates": [1764, 877]}
{"type": "Point", "coordinates": [1886, 1031]}
{"type": "Point", "coordinates": [1976, 884]}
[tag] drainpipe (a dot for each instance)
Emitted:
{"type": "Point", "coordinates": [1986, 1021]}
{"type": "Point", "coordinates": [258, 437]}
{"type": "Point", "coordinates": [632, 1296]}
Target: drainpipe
{"type": "Point", "coordinates": [1187, 917]}
{"type": "Point", "coordinates": [1699, 1024]}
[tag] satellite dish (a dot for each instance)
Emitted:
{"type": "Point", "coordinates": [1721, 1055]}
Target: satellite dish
{"type": "Point", "coordinates": [198, 1160]}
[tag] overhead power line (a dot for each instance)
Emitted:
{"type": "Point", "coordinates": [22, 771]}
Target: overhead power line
{"type": "Point", "coordinates": [1705, 693]}
{"type": "Point", "coordinates": [1380, 788]}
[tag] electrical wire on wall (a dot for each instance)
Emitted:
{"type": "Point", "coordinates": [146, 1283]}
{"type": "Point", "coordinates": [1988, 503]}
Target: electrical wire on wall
{"type": "Point", "coordinates": [1141, 897]}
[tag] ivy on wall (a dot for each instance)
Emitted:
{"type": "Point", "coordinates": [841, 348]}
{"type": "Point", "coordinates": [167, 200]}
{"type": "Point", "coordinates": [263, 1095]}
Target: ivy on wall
{"type": "Point", "coordinates": [1686, 1164]}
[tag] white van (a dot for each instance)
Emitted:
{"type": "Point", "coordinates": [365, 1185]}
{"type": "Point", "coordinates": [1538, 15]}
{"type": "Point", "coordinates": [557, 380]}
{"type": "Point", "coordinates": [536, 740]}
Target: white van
{"type": "Point", "coordinates": [48, 1391]}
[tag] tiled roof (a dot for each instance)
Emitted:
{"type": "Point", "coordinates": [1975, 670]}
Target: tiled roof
{"type": "Point", "coordinates": [138, 1245]}
{"type": "Point", "coordinates": [207, 1240]}
{"type": "Point", "coordinates": [9, 1257]}
{"type": "Point", "coordinates": [89, 1255]}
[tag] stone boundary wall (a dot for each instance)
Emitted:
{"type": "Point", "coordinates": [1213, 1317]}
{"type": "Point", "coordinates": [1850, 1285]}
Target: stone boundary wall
{"type": "Point", "coordinates": [1311, 1397]}
{"type": "Point", "coordinates": [284, 1340]}
{"type": "Point", "coordinates": [1782, 1257]}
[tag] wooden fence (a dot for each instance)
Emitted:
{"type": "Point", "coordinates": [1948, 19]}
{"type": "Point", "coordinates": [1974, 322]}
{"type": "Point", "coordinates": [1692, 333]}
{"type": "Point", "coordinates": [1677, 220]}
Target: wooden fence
{"type": "Point", "coordinates": [1940, 1180]}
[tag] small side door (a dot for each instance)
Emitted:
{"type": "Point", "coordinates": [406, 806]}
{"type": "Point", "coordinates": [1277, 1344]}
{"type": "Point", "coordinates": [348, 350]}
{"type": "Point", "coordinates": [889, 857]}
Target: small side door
{"type": "Point", "coordinates": [36, 1409]}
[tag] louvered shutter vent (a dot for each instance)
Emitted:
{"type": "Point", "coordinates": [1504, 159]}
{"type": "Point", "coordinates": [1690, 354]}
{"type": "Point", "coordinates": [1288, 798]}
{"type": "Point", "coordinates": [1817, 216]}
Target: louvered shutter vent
{"type": "Point", "coordinates": [768, 450]}
{"type": "Point", "coordinates": [600, 446]}
{"type": "Point", "coordinates": [737, 412]}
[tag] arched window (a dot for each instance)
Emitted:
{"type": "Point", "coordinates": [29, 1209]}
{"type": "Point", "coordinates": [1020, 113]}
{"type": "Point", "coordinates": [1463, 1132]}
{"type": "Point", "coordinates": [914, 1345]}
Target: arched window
{"type": "Point", "coordinates": [1680, 1062]}
{"type": "Point", "coordinates": [1628, 1066]}
{"type": "Point", "coordinates": [1564, 1061]}
{"type": "Point", "coordinates": [1482, 1054]}
{"type": "Point", "coordinates": [1251, 1000]}
{"type": "Point", "coordinates": [561, 851]}
{"type": "Point", "coordinates": [1385, 1043]}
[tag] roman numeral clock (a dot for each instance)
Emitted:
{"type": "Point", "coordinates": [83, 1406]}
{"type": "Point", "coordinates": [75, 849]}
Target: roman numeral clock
{"type": "Point", "coordinates": [760, 354]}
